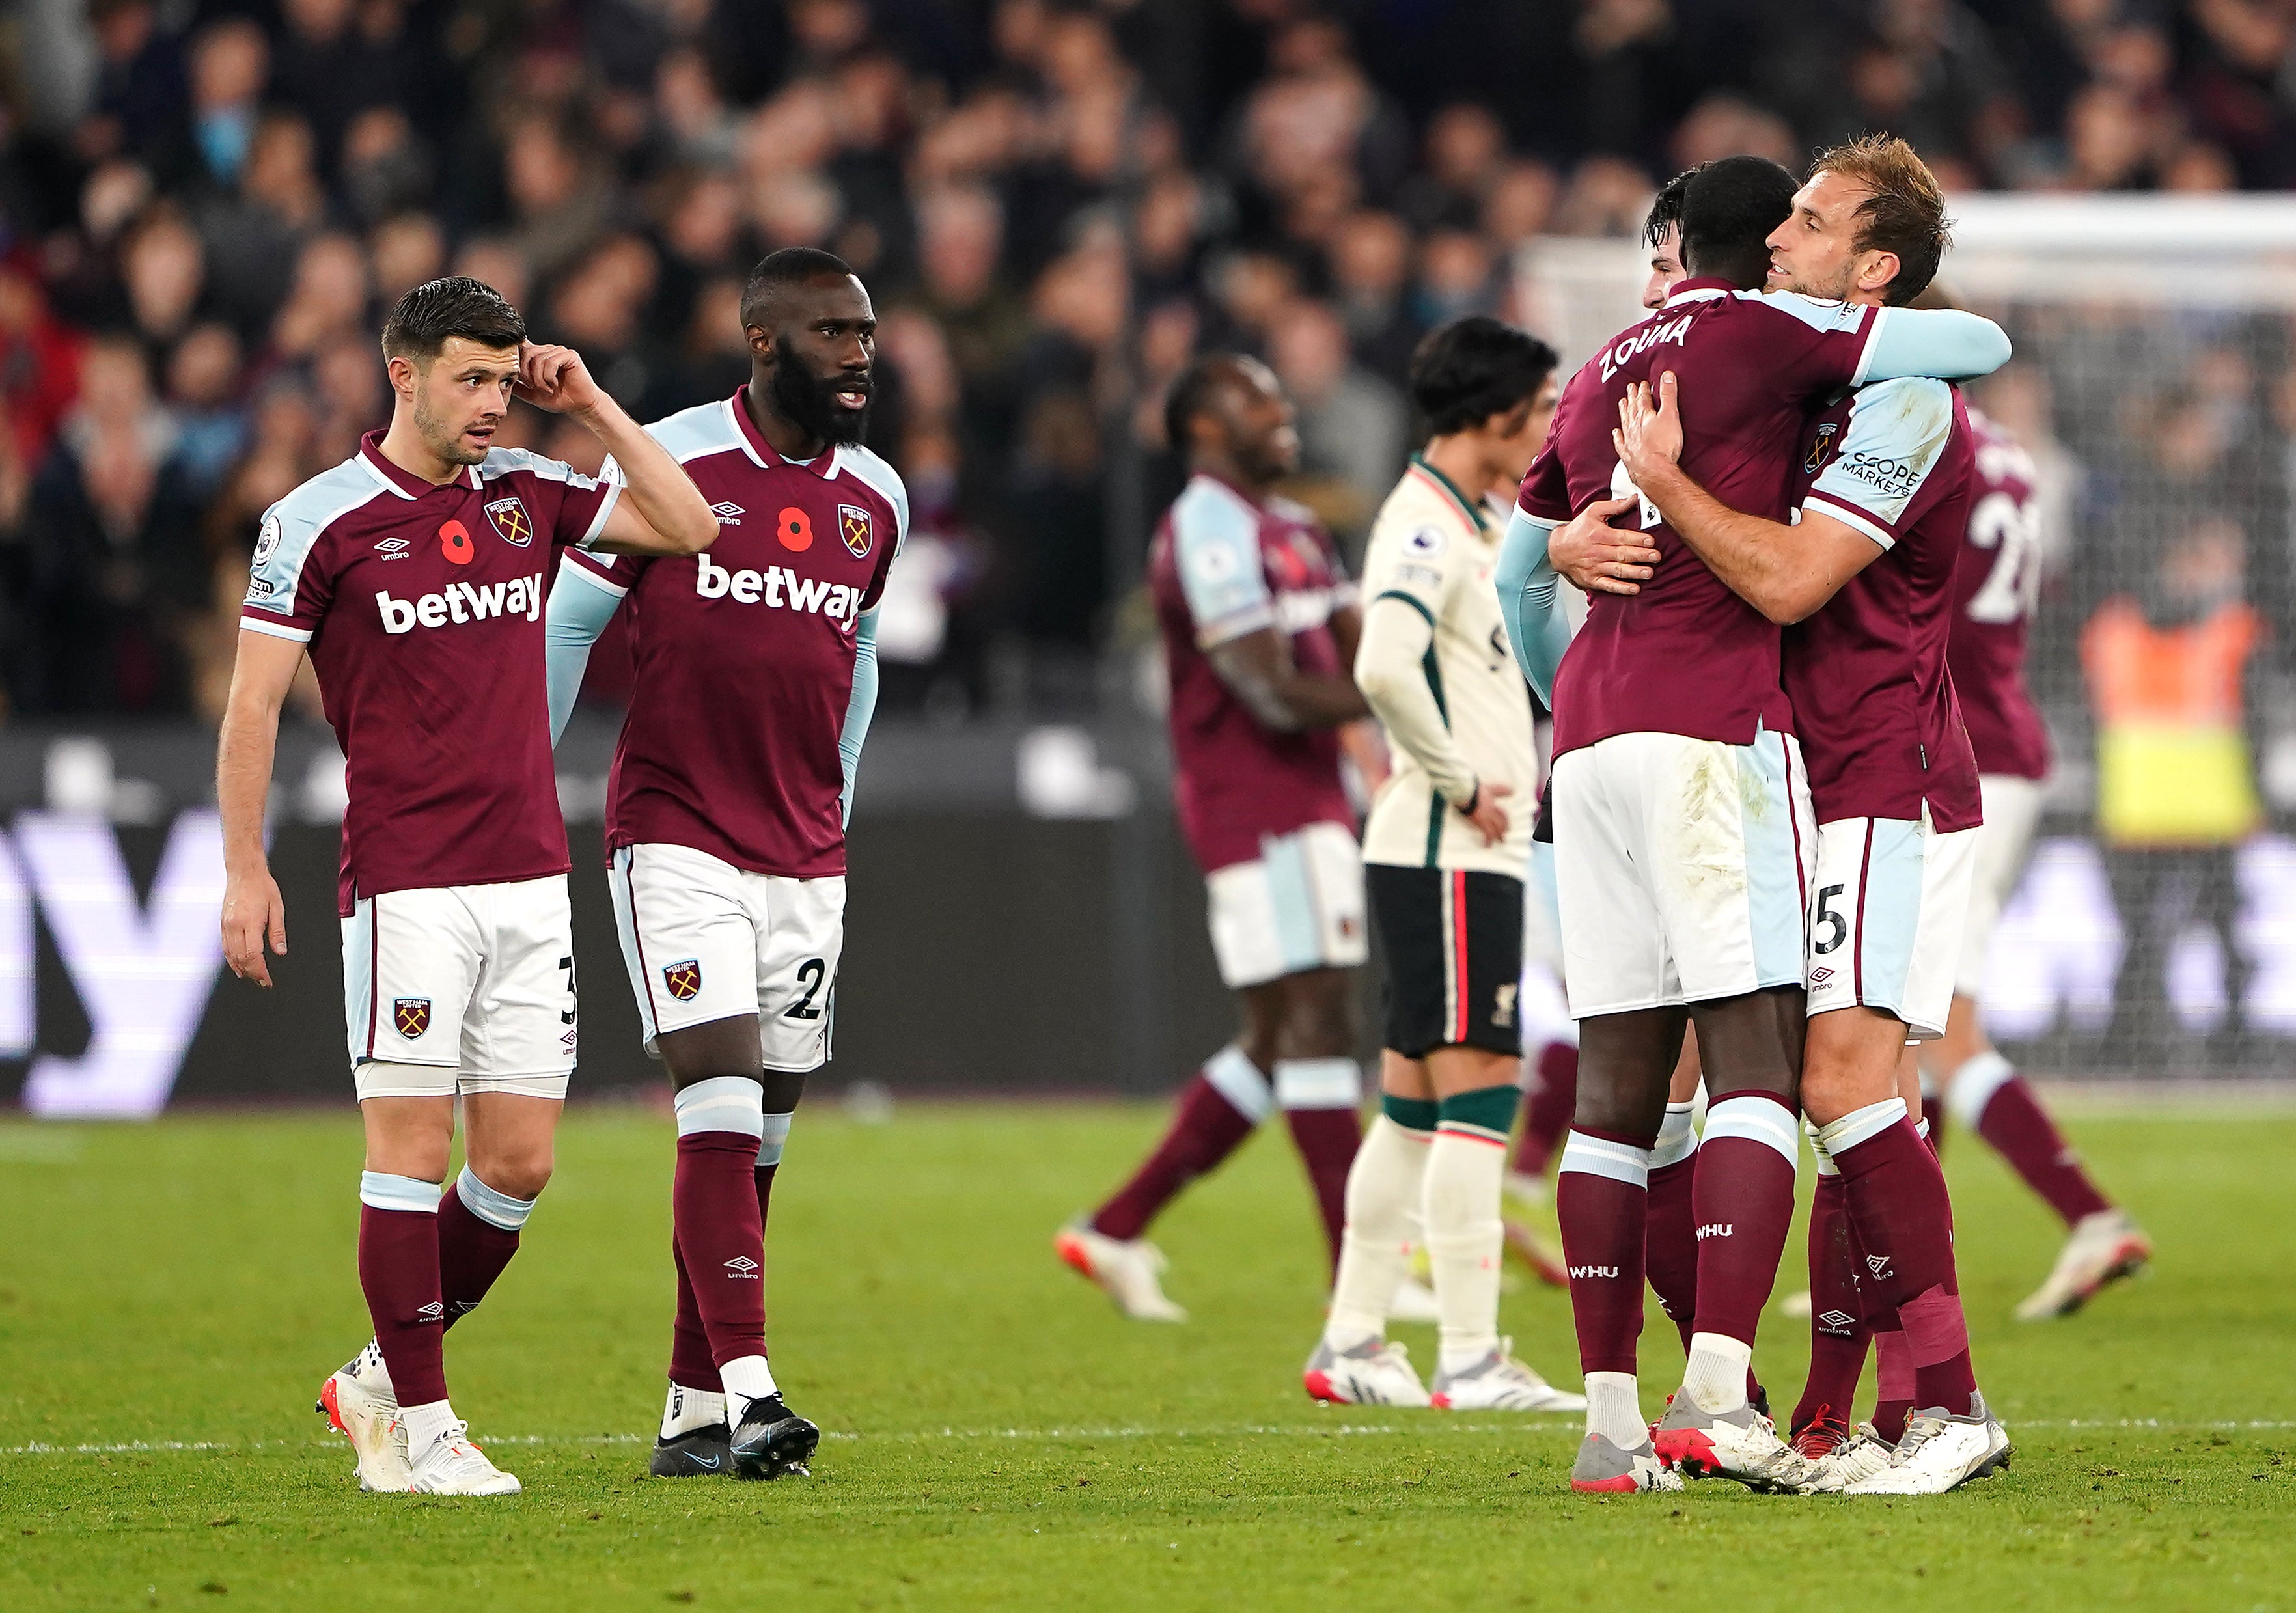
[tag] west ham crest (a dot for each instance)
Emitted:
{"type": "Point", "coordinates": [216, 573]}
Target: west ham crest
{"type": "Point", "coordinates": [412, 1015]}
{"type": "Point", "coordinates": [508, 517]}
{"type": "Point", "coordinates": [1819, 448]}
{"type": "Point", "coordinates": [853, 525]}
{"type": "Point", "coordinates": [683, 979]}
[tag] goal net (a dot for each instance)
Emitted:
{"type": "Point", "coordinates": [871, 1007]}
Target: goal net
{"type": "Point", "coordinates": [2155, 386]}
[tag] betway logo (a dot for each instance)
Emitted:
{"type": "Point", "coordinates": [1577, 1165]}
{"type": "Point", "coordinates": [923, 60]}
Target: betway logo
{"type": "Point", "coordinates": [462, 603]}
{"type": "Point", "coordinates": [778, 588]}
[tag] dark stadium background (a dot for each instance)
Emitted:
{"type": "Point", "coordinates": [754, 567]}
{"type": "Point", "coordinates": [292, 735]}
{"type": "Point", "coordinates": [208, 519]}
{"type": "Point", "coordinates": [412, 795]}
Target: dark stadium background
{"type": "Point", "coordinates": [204, 208]}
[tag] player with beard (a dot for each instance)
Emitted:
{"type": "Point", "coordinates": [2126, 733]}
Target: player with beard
{"type": "Point", "coordinates": [1683, 834]}
{"type": "Point", "coordinates": [1863, 581]}
{"type": "Point", "coordinates": [413, 574]}
{"type": "Point", "coordinates": [1259, 625]}
{"type": "Point", "coordinates": [756, 676]}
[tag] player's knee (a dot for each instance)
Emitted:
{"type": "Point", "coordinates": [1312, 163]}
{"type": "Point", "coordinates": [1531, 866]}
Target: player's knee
{"type": "Point", "coordinates": [515, 1173]}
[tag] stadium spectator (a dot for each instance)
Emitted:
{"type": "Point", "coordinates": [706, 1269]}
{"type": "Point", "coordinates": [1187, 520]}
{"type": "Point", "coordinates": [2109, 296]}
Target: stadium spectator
{"type": "Point", "coordinates": [1072, 199]}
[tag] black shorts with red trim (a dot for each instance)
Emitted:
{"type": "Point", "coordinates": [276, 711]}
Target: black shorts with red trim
{"type": "Point", "coordinates": [1453, 941]}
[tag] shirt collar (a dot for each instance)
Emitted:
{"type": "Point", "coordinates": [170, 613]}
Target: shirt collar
{"type": "Point", "coordinates": [1701, 289]}
{"type": "Point", "coordinates": [824, 464]}
{"type": "Point", "coordinates": [1467, 506]}
{"type": "Point", "coordinates": [406, 483]}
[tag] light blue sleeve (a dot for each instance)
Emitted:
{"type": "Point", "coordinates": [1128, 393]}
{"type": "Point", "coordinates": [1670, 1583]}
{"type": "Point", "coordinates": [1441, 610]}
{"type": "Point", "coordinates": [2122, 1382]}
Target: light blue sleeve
{"type": "Point", "coordinates": [1537, 630]}
{"type": "Point", "coordinates": [1942, 342]}
{"type": "Point", "coordinates": [1897, 433]}
{"type": "Point", "coordinates": [860, 708]}
{"type": "Point", "coordinates": [580, 606]}
{"type": "Point", "coordinates": [1216, 544]}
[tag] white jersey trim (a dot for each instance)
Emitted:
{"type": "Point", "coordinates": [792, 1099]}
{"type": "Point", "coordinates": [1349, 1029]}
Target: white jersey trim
{"type": "Point", "coordinates": [301, 636]}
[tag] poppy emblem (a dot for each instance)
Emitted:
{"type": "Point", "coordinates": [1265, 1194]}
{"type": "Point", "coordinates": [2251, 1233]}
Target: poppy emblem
{"type": "Point", "coordinates": [794, 528]}
{"type": "Point", "coordinates": [683, 979]}
{"type": "Point", "coordinates": [412, 1015]}
{"type": "Point", "coordinates": [853, 527]}
{"type": "Point", "coordinates": [455, 543]}
{"type": "Point", "coordinates": [509, 519]}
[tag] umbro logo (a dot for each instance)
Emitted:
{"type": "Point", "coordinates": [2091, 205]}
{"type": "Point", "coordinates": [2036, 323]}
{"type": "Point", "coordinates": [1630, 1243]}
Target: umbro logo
{"type": "Point", "coordinates": [1879, 1265]}
{"type": "Point", "coordinates": [728, 514]}
{"type": "Point", "coordinates": [393, 548]}
{"type": "Point", "coordinates": [1837, 1321]}
{"type": "Point", "coordinates": [741, 1265]}
{"type": "Point", "coordinates": [1819, 977]}
{"type": "Point", "coordinates": [432, 1311]}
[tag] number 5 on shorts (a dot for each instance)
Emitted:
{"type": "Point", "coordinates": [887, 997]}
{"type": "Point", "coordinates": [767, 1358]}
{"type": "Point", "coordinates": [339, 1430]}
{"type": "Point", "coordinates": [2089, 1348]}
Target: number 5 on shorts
{"type": "Point", "coordinates": [1826, 916]}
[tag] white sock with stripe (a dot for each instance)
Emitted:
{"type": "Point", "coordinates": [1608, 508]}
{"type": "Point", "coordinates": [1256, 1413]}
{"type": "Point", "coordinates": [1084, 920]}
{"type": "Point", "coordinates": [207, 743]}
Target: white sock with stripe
{"type": "Point", "coordinates": [1465, 1239]}
{"type": "Point", "coordinates": [1383, 1196]}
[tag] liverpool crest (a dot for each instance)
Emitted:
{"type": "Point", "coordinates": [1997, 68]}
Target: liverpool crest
{"type": "Point", "coordinates": [853, 527]}
{"type": "Point", "coordinates": [508, 517]}
{"type": "Point", "coordinates": [412, 1015]}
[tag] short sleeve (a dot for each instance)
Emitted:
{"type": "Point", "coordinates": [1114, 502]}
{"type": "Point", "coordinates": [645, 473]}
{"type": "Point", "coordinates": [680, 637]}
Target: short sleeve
{"type": "Point", "coordinates": [572, 508]}
{"type": "Point", "coordinates": [1817, 347]}
{"type": "Point", "coordinates": [289, 583]}
{"type": "Point", "coordinates": [610, 573]}
{"type": "Point", "coordinates": [1874, 480]}
{"type": "Point", "coordinates": [882, 479]}
{"type": "Point", "coordinates": [1216, 544]}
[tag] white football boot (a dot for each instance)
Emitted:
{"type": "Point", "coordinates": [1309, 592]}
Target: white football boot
{"type": "Point", "coordinates": [1940, 1452]}
{"type": "Point", "coordinates": [1602, 1468]}
{"type": "Point", "coordinates": [2101, 1249]}
{"type": "Point", "coordinates": [1126, 1270]}
{"type": "Point", "coordinates": [1374, 1372]}
{"type": "Point", "coordinates": [1741, 1445]}
{"type": "Point", "coordinates": [1414, 1301]}
{"type": "Point", "coordinates": [1498, 1382]}
{"type": "Point", "coordinates": [360, 1405]}
{"type": "Point", "coordinates": [1843, 1455]}
{"type": "Point", "coordinates": [451, 1465]}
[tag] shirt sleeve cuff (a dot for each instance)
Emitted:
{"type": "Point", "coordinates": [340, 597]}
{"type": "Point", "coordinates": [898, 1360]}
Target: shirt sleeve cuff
{"type": "Point", "coordinates": [591, 569]}
{"type": "Point", "coordinates": [273, 627]}
{"type": "Point", "coordinates": [1235, 624]}
{"type": "Point", "coordinates": [598, 522]}
{"type": "Point", "coordinates": [1849, 515]}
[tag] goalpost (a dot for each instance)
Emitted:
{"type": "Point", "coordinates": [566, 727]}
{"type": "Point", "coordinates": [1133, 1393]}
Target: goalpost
{"type": "Point", "coordinates": [2155, 386]}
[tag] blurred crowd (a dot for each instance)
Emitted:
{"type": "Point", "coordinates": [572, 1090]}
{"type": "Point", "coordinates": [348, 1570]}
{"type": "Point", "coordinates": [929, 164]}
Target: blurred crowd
{"type": "Point", "coordinates": [208, 203]}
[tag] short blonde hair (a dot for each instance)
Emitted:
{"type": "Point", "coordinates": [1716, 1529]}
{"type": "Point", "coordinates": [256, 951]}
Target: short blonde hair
{"type": "Point", "coordinates": [1905, 212]}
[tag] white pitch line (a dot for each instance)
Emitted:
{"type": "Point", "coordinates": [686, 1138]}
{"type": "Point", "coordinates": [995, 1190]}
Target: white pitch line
{"type": "Point", "coordinates": [1545, 1425]}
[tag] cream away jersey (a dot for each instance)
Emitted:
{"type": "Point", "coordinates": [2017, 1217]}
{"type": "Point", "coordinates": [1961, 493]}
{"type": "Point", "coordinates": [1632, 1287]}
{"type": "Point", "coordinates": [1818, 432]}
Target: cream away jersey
{"type": "Point", "coordinates": [1435, 667]}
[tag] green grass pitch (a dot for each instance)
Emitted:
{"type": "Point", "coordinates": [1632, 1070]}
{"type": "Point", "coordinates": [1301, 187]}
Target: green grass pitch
{"type": "Point", "coordinates": [171, 1295]}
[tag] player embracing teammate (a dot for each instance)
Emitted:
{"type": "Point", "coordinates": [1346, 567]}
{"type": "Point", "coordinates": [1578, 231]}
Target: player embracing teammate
{"type": "Point", "coordinates": [412, 575]}
{"type": "Point", "coordinates": [755, 681]}
{"type": "Point", "coordinates": [1684, 838]}
{"type": "Point", "coordinates": [1864, 578]}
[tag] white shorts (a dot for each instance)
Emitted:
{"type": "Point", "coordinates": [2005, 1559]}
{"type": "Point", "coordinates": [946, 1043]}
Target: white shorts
{"type": "Point", "coordinates": [1885, 920]}
{"type": "Point", "coordinates": [705, 940]}
{"type": "Point", "coordinates": [1680, 868]}
{"type": "Point", "coordinates": [2013, 807]}
{"type": "Point", "coordinates": [1300, 906]}
{"type": "Point", "coordinates": [474, 982]}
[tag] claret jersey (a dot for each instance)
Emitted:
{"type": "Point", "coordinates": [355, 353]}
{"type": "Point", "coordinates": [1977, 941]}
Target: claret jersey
{"type": "Point", "coordinates": [1880, 732]}
{"type": "Point", "coordinates": [1685, 655]}
{"type": "Point", "coordinates": [1224, 565]}
{"type": "Point", "coordinates": [1995, 583]}
{"type": "Point", "coordinates": [422, 608]}
{"type": "Point", "coordinates": [743, 655]}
